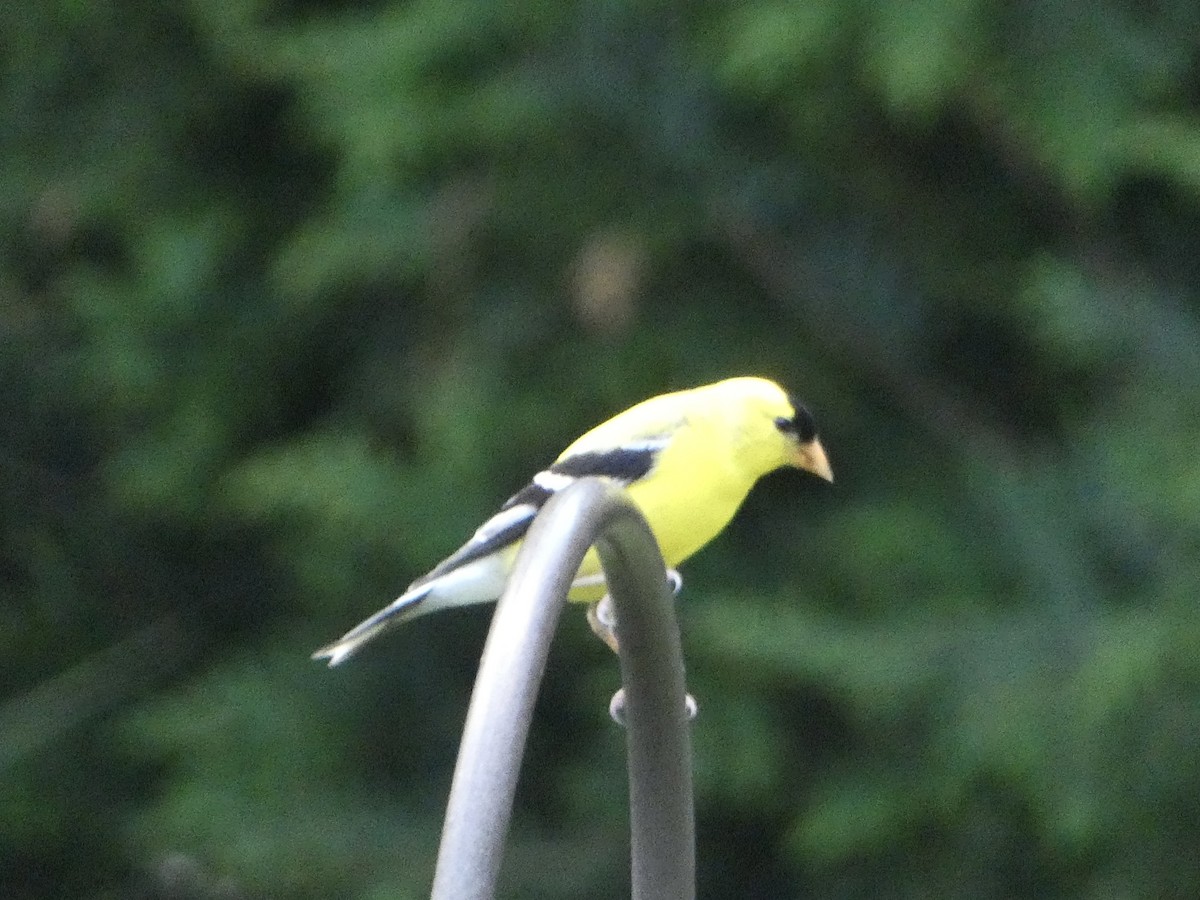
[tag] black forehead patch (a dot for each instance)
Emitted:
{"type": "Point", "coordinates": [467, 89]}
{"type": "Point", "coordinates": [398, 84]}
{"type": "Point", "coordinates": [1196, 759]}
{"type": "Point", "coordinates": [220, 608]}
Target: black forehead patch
{"type": "Point", "coordinates": [803, 423]}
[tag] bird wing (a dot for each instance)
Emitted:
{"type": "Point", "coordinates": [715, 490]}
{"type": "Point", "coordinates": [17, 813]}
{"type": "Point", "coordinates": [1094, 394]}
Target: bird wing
{"type": "Point", "coordinates": [624, 463]}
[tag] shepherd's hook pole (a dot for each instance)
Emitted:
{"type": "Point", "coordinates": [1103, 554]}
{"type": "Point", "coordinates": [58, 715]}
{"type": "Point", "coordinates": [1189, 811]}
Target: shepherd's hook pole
{"type": "Point", "coordinates": [662, 825]}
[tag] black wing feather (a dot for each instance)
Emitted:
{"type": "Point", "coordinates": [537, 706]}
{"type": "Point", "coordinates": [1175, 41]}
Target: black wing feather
{"type": "Point", "coordinates": [503, 529]}
{"type": "Point", "coordinates": [625, 465]}
{"type": "Point", "coordinates": [509, 525]}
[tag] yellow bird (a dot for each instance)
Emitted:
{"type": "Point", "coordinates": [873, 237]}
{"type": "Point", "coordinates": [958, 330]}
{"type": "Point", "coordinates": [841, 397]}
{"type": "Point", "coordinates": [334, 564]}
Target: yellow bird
{"type": "Point", "coordinates": [687, 460]}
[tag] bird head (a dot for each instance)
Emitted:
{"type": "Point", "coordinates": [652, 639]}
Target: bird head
{"type": "Point", "coordinates": [778, 430]}
{"type": "Point", "coordinates": [807, 454]}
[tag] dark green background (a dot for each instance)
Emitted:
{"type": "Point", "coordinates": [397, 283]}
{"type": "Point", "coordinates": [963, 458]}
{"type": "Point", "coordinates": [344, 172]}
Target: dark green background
{"type": "Point", "coordinates": [293, 294]}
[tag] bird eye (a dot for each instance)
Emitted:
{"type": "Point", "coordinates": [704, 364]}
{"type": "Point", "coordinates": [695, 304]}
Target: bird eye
{"type": "Point", "coordinates": [787, 426]}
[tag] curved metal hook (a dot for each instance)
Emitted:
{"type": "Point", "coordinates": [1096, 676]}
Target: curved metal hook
{"type": "Point", "coordinates": [661, 813]}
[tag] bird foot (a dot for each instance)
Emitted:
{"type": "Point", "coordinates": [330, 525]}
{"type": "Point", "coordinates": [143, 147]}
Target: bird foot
{"type": "Point", "coordinates": [603, 619]}
{"type": "Point", "coordinates": [675, 580]}
{"type": "Point", "coordinates": [602, 616]}
{"type": "Point", "coordinates": [616, 707]}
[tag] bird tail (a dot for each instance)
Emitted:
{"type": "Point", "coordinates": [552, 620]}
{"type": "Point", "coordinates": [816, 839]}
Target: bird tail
{"type": "Point", "coordinates": [403, 608]}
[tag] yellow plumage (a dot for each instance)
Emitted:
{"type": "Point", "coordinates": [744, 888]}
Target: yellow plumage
{"type": "Point", "coordinates": [687, 459]}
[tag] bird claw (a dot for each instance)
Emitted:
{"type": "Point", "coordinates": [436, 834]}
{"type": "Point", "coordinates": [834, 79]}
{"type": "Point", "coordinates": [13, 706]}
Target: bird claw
{"type": "Point", "coordinates": [603, 619]}
{"type": "Point", "coordinates": [602, 615]}
{"type": "Point", "coordinates": [616, 707]}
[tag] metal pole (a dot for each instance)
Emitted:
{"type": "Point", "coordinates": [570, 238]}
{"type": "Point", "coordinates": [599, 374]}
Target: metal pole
{"type": "Point", "coordinates": [514, 658]}
{"type": "Point", "coordinates": [658, 733]}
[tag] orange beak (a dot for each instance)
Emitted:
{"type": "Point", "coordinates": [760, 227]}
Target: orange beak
{"type": "Point", "coordinates": [811, 457]}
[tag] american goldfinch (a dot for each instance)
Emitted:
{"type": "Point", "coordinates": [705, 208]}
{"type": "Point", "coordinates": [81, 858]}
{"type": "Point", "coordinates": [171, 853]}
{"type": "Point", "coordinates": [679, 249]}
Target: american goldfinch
{"type": "Point", "coordinates": [687, 459]}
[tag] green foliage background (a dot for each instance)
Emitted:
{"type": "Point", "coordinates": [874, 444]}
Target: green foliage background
{"type": "Point", "coordinates": [293, 294]}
